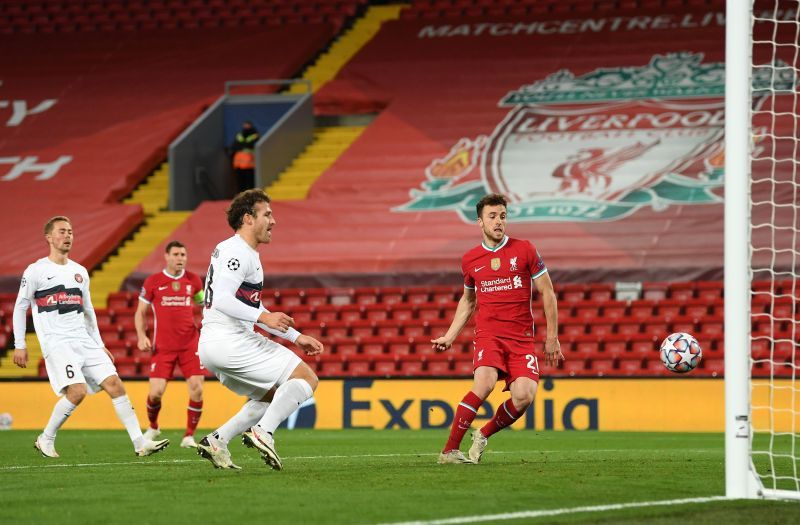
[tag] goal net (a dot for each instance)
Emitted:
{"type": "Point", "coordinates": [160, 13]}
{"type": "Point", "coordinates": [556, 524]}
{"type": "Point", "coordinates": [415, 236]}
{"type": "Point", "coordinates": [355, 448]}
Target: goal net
{"type": "Point", "coordinates": [767, 440]}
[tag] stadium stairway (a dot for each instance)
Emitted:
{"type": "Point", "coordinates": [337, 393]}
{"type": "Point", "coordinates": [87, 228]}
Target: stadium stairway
{"type": "Point", "coordinates": [9, 369]}
{"type": "Point", "coordinates": [347, 45]}
{"type": "Point", "coordinates": [152, 195]}
{"type": "Point", "coordinates": [328, 144]}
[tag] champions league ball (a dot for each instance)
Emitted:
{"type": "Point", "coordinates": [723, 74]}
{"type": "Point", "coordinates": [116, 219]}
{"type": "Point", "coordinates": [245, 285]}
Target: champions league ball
{"type": "Point", "coordinates": [681, 353]}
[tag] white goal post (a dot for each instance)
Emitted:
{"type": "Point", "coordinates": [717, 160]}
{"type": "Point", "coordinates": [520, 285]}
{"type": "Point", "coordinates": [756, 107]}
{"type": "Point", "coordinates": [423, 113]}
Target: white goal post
{"type": "Point", "coordinates": [762, 230]}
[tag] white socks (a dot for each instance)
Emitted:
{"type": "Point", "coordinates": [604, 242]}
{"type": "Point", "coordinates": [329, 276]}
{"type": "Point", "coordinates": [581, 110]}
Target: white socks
{"type": "Point", "coordinates": [288, 397]}
{"type": "Point", "coordinates": [61, 412]}
{"type": "Point", "coordinates": [249, 415]}
{"type": "Point", "coordinates": [126, 414]}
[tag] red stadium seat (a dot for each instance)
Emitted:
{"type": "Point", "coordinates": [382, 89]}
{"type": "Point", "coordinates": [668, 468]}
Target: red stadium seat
{"type": "Point", "coordinates": [372, 346]}
{"type": "Point", "coordinates": [572, 292]}
{"type": "Point", "coordinates": [358, 368]}
{"type": "Point", "coordinates": [712, 367]}
{"type": "Point", "coordinates": [326, 312]}
{"type": "Point", "coordinates": [366, 296]}
{"type": "Point", "coordinates": [573, 367]}
{"type": "Point", "coordinates": [415, 330]}
{"type": "Point", "coordinates": [350, 312]}
{"type": "Point", "coordinates": [462, 367]}
{"type": "Point", "coordinates": [317, 297]}
{"type": "Point", "coordinates": [362, 328]}
{"type": "Point", "coordinates": [642, 308]}
{"type": "Point", "coordinates": [337, 329]}
{"type": "Point", "coordinates": [399, 346]}
{"type": "Point", "coordinates": [376, 312]}
{"type": "Point", "coordinates": [411, 368]}
{"type": "Point", "coordinates": [417, 295]}
{"type": "Point", "coordinates": [392, 295]}
{"type": "Point", "coordinates": [385, 366]}
{"type": "Point", "coordinates": [601, 292]}
{"type": "Point", "coordinates": [614, 310]}
{"type": "Point", "coordinates": [388, 328]}
{"type": "Point", "coordinates": [615, 344]}
{"type": "Point", "coordinates": [630, 367]}
{"type": "Point", "coordinates": [682, 291]}
{"type": "Point", "coordinates": [602, 367]}
{"type": "Point", "coordinates": [402, 312]}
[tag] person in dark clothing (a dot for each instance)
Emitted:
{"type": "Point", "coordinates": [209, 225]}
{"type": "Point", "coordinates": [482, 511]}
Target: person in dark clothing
{"type": "Point", "coordinates": [244, 157]}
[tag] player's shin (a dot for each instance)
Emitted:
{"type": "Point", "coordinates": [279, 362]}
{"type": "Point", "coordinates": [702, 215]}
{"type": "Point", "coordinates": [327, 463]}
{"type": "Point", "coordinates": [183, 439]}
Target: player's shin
{"type": "Point", "coordinates": [249, 415]}
{"type": "Point", "coordinates": [126, 414]}
{"type": "Point", "coordinates": [61, 411]}
{"type": "Point", "coordinates": [465, 414]}
{"type": "Point", "coordinates": [505, 415]}
{"type": "Point", "coordinates": [288, 397]}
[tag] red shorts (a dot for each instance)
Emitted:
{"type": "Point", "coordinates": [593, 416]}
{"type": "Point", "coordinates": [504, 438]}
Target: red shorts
{"type": "Point", "coordinates": [162, 364]}
{"type": "Point", "coordinates": [513, 359]}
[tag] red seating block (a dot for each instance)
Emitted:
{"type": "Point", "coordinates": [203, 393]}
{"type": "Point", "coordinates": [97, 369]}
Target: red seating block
{"type": "Point", "coordinates": [602, 367]}
{"type": "Point", "coordinates": [630, 367]}
{"type": "Point", "coordinates": [411, 368]}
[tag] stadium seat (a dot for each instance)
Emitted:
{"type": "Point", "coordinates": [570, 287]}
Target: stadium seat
{"type": "Point", "coordinates": [362, 328]}
{"type": "Point", "coordinates": [682, 291]}
{"type": "Point", "coordinates": [571, 292]}
{"type": "Point", "coordinates": [642, 309]}
{"type": "Point", "coordinates": [392, 295]}
{"type": "Point", "coordinates": [462, 367]}
{"type": "Point", "coordinates": [326, 312]}
{"type": "Point", "coordinates": [350, 312]}
{"type": "Point", "coordinates": [602, 367]}
{"type": "Point", "coordinates": [373, 346]}
{"type": "Point", "coordinates": [399, 346]}
{"type": "Point", "coordinates": [385, 366]}
{"type": "Point", "coordinates": [402, 312]}
{"type": "Point", "coordinates": [364, 296]}
{"type": "Point", "coordinates": [316, 297]}
{"type": "Point", "coordinates": [572, 367]}
{"type": "Point", "coordinates": [415, 330]}
{"type": "Point", "coordinates": [358, 368]}
{"type": "Point", "coordinates": [337, 329]}
{"type": "Point", "coordinates": [630, 367]}
{"type": "Point", "coordinates": [615, 344]}
{"type": "Point", "coordinates": [388, 328]}
{"type": "Point", "coordinates": [376, 312]}
{"type": "Point", "coordinates": [417, 295]}
{"type": "Point", "coordinates": [345, 348]}
{"type": "Point", "coordinates": [614, 310]}
{"type": "Point", "coordinates": [712, 367]}
{"type": "Point", "coordinates": [411, 368]}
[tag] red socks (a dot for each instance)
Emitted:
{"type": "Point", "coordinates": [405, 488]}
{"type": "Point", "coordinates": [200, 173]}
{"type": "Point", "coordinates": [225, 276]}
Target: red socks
{"type": "Point", "coordinates": [505, 415]}
{"type": "Point", "coordinates": [153, 409]}
{"type": "Point", "coordinates": [193, 412]}
{"type": "Point", "coordinates": [465, 413]}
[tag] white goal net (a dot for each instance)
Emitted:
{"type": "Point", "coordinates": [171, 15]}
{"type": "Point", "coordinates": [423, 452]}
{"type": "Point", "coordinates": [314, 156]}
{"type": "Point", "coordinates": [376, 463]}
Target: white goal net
{"type": "Point", "coordinates": [774, 197]}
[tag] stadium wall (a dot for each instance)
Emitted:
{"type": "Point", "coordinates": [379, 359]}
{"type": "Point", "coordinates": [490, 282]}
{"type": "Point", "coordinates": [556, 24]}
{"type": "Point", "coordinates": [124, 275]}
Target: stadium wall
{"type": "Point", "coordinates": [652, 405]}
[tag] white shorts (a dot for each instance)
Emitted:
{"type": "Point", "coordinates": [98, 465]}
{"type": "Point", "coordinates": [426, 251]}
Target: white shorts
{"type": "Point", "coordinates": [250, 364]}
{"type": "Point", "coordinates": [71, 361]}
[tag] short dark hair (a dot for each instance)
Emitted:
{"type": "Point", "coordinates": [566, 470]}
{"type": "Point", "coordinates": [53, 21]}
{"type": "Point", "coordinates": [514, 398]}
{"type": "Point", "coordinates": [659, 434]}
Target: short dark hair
{"type": "Point", "coordinates": [173, 244]}
{"type": "Point", "coordinates": [493, 199]}
{"type": "Point", "coordinates": [48, 226]}
{"type": "Point", "coordinates": [243, 204]}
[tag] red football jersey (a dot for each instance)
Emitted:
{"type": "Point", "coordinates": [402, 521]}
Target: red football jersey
{"type": "Point", "coordinates": [503, 282]}
{"type": "Point", "coordinates": [172, 299]}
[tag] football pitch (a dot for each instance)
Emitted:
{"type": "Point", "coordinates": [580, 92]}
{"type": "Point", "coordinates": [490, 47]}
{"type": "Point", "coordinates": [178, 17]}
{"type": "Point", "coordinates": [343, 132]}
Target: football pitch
{"type": "Point", "coordinates": [366, 476]}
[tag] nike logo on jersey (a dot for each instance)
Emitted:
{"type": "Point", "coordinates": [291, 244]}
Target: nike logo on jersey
{"type": "Point", "coordinates": [162, 287]}
{"type": "Point", "coordinates": [52, 276]}
{"type": "Point", "coordinates": [479, 268]}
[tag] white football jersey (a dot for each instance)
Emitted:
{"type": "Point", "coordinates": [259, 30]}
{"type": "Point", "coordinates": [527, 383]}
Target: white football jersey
{"type": "Point", "coordinates": [234, 274]}
{"type": "Point", "coordinates": [59, 297]}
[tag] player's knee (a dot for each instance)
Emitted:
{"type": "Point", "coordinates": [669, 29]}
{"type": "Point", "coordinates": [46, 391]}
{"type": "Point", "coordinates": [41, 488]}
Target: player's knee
{"type": "Point", "coordinates": [522, 400]}
{"type": "Point", "coordinates": [312, 379]}
{"type": "Point", "coordinates": [76, 393]}
{"type": "Point", "coordinates": [113, 386]}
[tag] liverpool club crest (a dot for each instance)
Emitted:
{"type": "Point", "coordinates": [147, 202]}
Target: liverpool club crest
{"type": "Point", "coordinates": [596, 147]}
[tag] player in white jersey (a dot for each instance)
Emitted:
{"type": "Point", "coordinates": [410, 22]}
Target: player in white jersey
{"type": "Point", "coordinates": [274, 378]}
{"type": "Point", "coordinates": [74, 354]}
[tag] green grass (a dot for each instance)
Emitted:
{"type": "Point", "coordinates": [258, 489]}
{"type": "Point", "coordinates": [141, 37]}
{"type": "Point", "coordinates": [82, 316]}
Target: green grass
{"type": "Point", "coordinates": [373, 477]}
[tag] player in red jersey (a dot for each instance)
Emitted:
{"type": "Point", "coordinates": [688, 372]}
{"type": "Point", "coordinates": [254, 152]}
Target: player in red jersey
{"type": "Point", "coordinates": [499, 276]}
{"type": "Point", "coordinates": [171, 294]}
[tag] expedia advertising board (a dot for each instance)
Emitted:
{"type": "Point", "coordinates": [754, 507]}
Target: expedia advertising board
{"type": "Point", "coordinates": [683, 404]}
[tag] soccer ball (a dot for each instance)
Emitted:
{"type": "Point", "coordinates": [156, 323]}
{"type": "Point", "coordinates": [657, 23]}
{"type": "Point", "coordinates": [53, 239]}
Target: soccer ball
{"type": "Point", "coordinates": [681, 353]}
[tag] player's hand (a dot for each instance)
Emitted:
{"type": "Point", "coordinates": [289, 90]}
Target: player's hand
{"type": "Point", "coordinates": [144, 344]}
{"type": "Point", "coordinates": [309, 345]}
{"type": "Point", "coordinates": [277, 320]}
{"type": "Point", "coordinates": [21, 357]}
{"type": "Point", "coordinates": [552, 351]}
{"type": "Point", "coordinates": [441, 344]}
{"type": "Point", "coordinates": [109, 354]}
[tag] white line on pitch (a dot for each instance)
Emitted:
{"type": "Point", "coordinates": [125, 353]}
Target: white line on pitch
{"type": "Point", "coordinates": [555, 512]}
{"type": "Point", "coordinates": [352, 456]}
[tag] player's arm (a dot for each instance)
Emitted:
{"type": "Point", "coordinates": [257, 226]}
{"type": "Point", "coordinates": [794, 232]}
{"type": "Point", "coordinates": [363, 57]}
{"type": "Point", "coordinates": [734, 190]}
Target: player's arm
{"type": "Point", "coordinates": [552, 348]}
{"type": "Point", "coordinates": [224, 299]}
{"type": "Point", "coordinates": [19, 318]}
{"type": "Point", "coordinates": [309, 345]}
{"type": "Point", "coordinates": [90, 319]}
{"type": "Point", "coordinates": [464, 310]}
{"type": "Point", "coordinates": [140, 322]}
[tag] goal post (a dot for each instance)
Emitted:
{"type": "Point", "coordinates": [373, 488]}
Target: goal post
{"type": "Point", "coordinates": [762, 249]}
{"type": "Point", "coordinates": [739, 480]}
